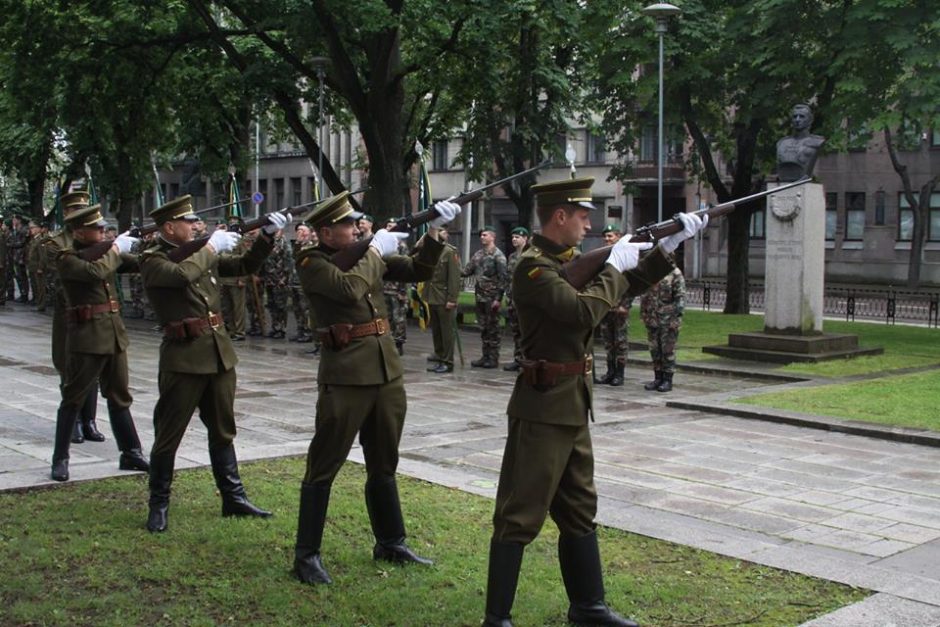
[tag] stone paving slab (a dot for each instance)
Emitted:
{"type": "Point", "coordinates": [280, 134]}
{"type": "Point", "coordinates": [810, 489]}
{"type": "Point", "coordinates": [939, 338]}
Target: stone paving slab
{"type": "Point", "coordinates": [881, 610]}
{"type": "Point", "coordinates": [830, 504]}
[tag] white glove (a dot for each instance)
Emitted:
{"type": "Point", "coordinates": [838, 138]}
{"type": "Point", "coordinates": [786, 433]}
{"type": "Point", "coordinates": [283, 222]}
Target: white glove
{"type": "Point", "coordinates": [386, 242]}
{"type": "Point", "coordinates": [125, 242]}
{"type": "Point", "coordinates": [446, 211]}
{"type": "Point", "coordinates": [625, 255]}
{"type": "Point", "coordinates": [691, 224]}
{"type": "Point", "coordinates": [223, 241]}
{"type": "Point", "coordinates": [276, 222]}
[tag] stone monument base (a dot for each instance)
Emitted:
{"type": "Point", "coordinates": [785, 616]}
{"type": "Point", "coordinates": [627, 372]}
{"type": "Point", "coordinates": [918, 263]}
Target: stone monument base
{"type": "Point", "coordinates": [785, 349]}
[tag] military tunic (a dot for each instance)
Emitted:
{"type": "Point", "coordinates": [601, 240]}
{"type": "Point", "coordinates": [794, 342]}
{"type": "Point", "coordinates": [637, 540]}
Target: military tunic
{"type": "Point", "coordinates": [35, 266]}
{"type": "Point", "coordinates": [548, 463]}
{"type": "Point", "coordinates": [661, 309]}
{"type": "Point", "coordinates": [196, 371]}
{"type": "Point", "coordinates": [360, 385]}
{"type": "Point", "coordinates": [492, 276]}
{"type": "Point", "coordinates": [512, 317]}
{"type": "Point", "coordinates": [442, 288]}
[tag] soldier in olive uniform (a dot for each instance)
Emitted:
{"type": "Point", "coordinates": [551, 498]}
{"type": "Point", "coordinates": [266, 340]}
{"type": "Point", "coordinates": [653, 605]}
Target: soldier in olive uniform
{"type": "Point", "coordinates": [254, 292]}
{"type": "Point", "coordinates": [661, 309]}
{"type": "Point", "coordinates": [613, 327]}
{"type": "Point", "coordinates": [396, 301]}
{"type": "Point", "coordinates": [86, 427]}
{"type": "Point", "coordinates": [359, 380]}
{"type": "Point", "coordinates": [548, 463]}
{"type": "Point", "coordinates": [301, 306]}
{"type": "Point", "coordinates": [34, 266]}
{"type": "Point", "coordinates": [520, 240]}
{"type": "Point", "coordinates": [197, 358]}
{"type": "Point", "coordinates": [4, 256]}
{"type": "Point", "coordinates": [19, 238]}
{"type": "Point", "coordinates": [488, 265]}
{"type": "Point", "coordinates": [97, 340]}
{"type": "Point", "coordinates": [275, 273]}
{"type": "Point", "coordinates": [234, 308]}
{"type": "Point", "coordinates": [441, 293]}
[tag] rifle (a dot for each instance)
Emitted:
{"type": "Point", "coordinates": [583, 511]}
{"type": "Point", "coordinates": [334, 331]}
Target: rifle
{"type": "Point", "coordinates": [348, 257]}
{"type": "Point", "coordinates": [97, 251]}
{"type": "Point", "coordinates": [583, 268]}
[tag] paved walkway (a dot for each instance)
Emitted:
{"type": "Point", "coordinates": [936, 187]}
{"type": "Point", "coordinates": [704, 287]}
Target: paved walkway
{"type": "Point", "coordinates": [847, 508]}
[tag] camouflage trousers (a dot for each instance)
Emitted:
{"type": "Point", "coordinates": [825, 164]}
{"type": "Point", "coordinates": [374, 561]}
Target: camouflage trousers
{"type": "Point", "coordinates": [301, 310]}
{"type": "Point", "coordinates": [9, 281]}
{"type": "Point", "coordinates": [22, 282]}
{"type": "Point", "coordinates": [488, 320]}
{"type": "Point", "coordinates": [277, 305]}
{"type": "Point", "coordinates": [613, 330]}
{"type": "Point", "coordinates": [140, 306]}
{"type": "Point", "coordinates": [512, 319]}
{"type": "Point", "coordinates": [254, 300]}
{"type": "Point", "coordinates": [397, 317]}
{"type": "Point", "coordinates": [662, 342]}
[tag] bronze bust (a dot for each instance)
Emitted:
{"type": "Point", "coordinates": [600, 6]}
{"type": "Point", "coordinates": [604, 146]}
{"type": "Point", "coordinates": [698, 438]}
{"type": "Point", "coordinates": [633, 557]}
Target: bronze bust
{"type": "Point", "coordinates": [796, 153]}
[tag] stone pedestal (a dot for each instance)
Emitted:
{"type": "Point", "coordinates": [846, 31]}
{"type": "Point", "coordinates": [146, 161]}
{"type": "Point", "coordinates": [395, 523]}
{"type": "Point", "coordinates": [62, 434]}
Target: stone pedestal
{"type": "Point", "coordinates": [794, 287]}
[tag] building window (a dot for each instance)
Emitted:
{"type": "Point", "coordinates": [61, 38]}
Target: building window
{"type": "Point", "coordinates": [263, 188]}
{"type": "Point", "coordinates": [880, 207]}
{"type": "Point", "coordinates": [859, 138]}
{"type": "Point", "coordinates": [296, 192]}
{"type": "Point", "coordinates": [596, 145]}
{"type": "Point", "coordinates": [439, 155]}
{"type": "Point", "coordinates": [174, 191]}
{"type": "Point", "coordinates": [831, 215]}
{"type": "Point", "coordinates": [933, 233]}
{"type": "Point", "coordinates": [278, 193]}
{"type": "Point", "coordinates": [854, 215]}
{"type": "Point", "coordinates": [758, 224]}
{"type": "Point", "coordinates": [905, 219]}
{"type": "Point", "coordinates": [312, 186]}
{"type": "Point", "coordinates": [648, 140]}
{"type": "Point", "coordinates": [935, 138]}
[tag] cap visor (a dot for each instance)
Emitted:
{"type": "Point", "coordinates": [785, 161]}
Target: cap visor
{"type": "Point", "coordinates": [586, 205]}
{"type": "Point", "coordinates": [356, 215]}
{"type": "Point", "coordinates": [100, 223]}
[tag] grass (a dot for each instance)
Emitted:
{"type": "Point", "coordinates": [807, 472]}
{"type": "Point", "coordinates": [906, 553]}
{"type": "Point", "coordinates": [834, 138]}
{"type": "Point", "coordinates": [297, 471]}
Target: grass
{"type": "Point", "coordinates": [78, 555]}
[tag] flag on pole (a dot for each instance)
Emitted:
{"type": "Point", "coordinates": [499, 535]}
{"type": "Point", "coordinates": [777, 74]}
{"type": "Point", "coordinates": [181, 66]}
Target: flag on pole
{"type": "Point", "coordinates": [234, 195]}
{"type": "Point", "coordinates": [424, 193]}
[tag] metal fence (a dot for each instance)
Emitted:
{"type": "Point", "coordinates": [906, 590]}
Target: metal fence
{"type": "Point", "coordinates": [888, 304]}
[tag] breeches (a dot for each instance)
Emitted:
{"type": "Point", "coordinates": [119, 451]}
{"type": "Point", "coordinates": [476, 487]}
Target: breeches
{"type": "Point", "coordinates": [180, 395]}
{"type": "Point", "coordinates": [84, 369]}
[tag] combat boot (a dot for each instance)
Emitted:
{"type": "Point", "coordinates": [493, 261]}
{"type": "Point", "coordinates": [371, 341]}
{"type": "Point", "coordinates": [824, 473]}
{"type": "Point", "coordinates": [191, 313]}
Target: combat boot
{"type": "Point", "coordinates": [479, 363]}
{"type": "Point", "coordinates": [501, 581]}
{"type": "Point", "coordinates": [234, 500]}
{"type": "Point", "coordinates": [388, 526]}
{"type": "Point", "coordinates": [655, 383]}
{"type": "Point", "coordinates": [161, 478]}
{"type": "Point", "coordinates": [400, 347]}
{"type": "Point", "coordinates": [125, 434]}
{"type": "Point", "coordinates": [64, 423]}
{"type": "Point", "coordinates": [314, 500]}
{"type": "Point", "coordinates": [580, 562]}
{"type": "Point", "coordinates": [666, 385]}
{"type": "Point", "coordinates": [610, 373]}
{"type": "Point", "coordinates": [617, 379]}
{"type": "Point", "coordinates": [512, 366]}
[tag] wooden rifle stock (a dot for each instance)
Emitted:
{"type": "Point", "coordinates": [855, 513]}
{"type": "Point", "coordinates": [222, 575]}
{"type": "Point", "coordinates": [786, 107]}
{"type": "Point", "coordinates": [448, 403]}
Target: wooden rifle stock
{"type": "Point", "coordinates": [582, 269]}
{"type": "Point", "coordinates": [348, 257]}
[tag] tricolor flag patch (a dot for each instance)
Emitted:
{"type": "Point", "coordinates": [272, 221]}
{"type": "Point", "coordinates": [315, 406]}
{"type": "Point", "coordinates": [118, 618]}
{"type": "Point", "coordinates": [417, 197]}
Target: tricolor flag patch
{"type": "Point", "coordinates": [534, 273]}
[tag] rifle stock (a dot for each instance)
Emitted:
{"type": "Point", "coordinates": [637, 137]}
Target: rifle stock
{"type": "Point", "coordinates": [582, 269]}
{"type": "Point", "coordinates": [348, 257]}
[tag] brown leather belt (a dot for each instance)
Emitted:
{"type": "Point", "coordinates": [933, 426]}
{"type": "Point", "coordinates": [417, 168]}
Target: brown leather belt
{"type": "Point", "coordinates": [84, 313]}
{"type": "Point", "coordinates": [189, 328]}
{"type": "Point", "coordinates": [337, 336]}
{"type": "Point", "coordinates": [545, 373]}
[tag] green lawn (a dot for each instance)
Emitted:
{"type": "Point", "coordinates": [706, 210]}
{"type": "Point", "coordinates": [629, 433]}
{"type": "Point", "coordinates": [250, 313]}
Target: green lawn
{"type": "Point", "coordinates": [78, 555]}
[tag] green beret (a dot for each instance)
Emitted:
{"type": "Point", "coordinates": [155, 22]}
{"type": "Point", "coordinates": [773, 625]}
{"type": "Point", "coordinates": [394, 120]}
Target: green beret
{"type": "Point", "coordinates": [520, 230]}
{"type": "Point", "coordinates": [565, 192]}
{"type": "Point", "coordinates": [88, 216]}
{"type": "Point", "coordinates": [612, 228]}
{"type": "Point", "coordinates": [331, 211]}
{"type": "Point", "coordinates": [366, 216]}
{"type": "Point", "coordinates": [488, 227]}
{"type": "Point", "coordinates": [177, 209]}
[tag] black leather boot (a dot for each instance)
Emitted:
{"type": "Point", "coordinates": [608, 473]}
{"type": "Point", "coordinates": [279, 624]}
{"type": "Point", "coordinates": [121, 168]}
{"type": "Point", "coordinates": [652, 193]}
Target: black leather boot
{"type": "Point", "coordinates": [617, 379]}
{"type": "Point", "coordinates": [314, 500]}
{"type": "Point", "coordinates": [90, 431]}
{"type": "Point", "coordinates": [388, 526]}
{"type": "Point", "coordinates": [161, 478]}
{"type": "Point", "coordinates": [580, 562]}
{"type": "Point", "coordinates": [77, 437]}
{"type": "Point", "coordinates": [655, 383]}
{"type": "Point", "coordinates": [234, 500]}
{"type": "Point", "coordinates": [610, 373]}
{"type": "Point", "coordinates": [128, 442]}
{"type": "Point", "coordinates": [505, 561]}
{"type": "Point", "coordinates": [64, 423]}
{"type": "Point", "coordinates": [88, 414]}
{"type": "Point", "coordinates": [666, 385]}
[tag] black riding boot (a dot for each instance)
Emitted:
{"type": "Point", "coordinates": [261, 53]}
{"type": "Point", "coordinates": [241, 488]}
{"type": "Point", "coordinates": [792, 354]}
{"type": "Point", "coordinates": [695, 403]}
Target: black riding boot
{"type": "Point", "coordinates": [610, 373]}
{"type": "Point", "coordinates": [655, 383]}
{"type": "Point", "coordinates": [88, 414]}
{"type": "Point", "coordinates": [666, 385]}
{"type": "Point", "coordinates": [505, 561]}
{"type": "Point", "coordinates": [388, 526]}
{"type": "Point", "coordinates": [77, 437]}
{"type": "Point", "coordinates": [125, 434]}
{"type": "Point", "coordinates": [580, 561]}
{"type": "Point", "coordinates": [64, 423]}
{"type": "Point", "coordinates": [314, 500]}
{"type": "Point", "coordinates": [234, 500]}
{"type": "Point", "coordinates": [161, 478]}
{"type": "Point", "coordinates": [617, 379]}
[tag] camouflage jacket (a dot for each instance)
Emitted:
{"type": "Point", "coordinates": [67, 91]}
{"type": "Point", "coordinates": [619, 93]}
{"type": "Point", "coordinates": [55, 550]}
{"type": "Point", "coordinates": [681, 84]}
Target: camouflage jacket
{"type": "Point", "coordinates": [492, 275]}
{"type": "Point", "coordinates": [19, 238]}
{"type": "Point", "coordinates": [395, 288]}
{"type": "Point", "coordinates": [664, 304]}
{"type": "Point", "coordinates": [276, 271]}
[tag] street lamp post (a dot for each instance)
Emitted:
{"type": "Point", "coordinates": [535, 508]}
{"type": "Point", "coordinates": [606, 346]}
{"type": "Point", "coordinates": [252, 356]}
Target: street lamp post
{"type": "Point", "coordinates": [661, 12]}
{"type": "Point", "coordinates": [320, 64]}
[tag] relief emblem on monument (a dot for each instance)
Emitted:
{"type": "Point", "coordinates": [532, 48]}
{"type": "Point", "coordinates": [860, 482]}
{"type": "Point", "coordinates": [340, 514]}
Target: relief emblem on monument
{"type": "Point", "coordinates": [785, 207]}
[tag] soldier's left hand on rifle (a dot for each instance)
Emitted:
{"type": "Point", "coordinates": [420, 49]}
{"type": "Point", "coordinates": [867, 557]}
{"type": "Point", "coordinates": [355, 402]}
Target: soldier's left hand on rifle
{"type": "Point", "coordinates": [691, 224]}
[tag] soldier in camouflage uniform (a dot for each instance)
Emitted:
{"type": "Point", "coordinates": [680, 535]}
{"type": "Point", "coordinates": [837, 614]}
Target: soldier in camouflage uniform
{"type": "Point", "coordinates": [488, 265]}
{"type": "Point", "coordinates": [254, 293]}
{"type": "Point", "coordinates": [140, 306]}
{"type": "Point", "coordinates": [613, 328]}
{"type": "Point", "coordinates": [661, 309]}
{"type": "Point", "coordinates": [233, 289]}
{"type": "Point", "coordinates": [302, 241]}
{"type": "Point", "coordinates": [520, 241]}
{"type": "Point", "coordinates": [276, 274]}
{"type": "Point", "coordinates": [396, 301]}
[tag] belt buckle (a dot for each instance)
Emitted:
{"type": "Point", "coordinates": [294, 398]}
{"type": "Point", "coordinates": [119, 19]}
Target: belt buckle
{"type": "Point", "coordinates": [381, 327]}
{"type": "Point", "coordinates": [215, 321]}
{"type": "Point", "coordinates": [588, 364]}
{"type": "Point", "coordinates": [115, 307]}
